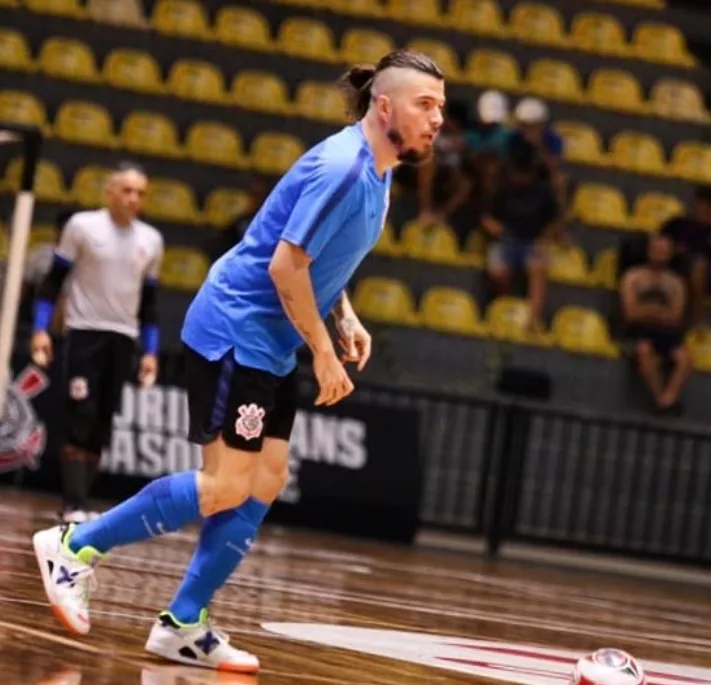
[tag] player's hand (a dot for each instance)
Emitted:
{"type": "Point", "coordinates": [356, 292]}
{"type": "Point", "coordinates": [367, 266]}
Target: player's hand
{"type": "Point", "coordinates": [41, 349]}
{"type": "Point", "coordinates": [356, 342]}
{"type": "Point", "coordinates": [333, 381]}
{"type": "Point", "coordinates": [148, 371]}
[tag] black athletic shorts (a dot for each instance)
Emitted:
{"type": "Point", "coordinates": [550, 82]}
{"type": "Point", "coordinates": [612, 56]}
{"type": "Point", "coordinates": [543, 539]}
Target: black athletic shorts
{"type": "Point", "coordinates": [97, 364]}
{"type": "Point", "coordinates": [664, 341]}
{"type": "Point", "coordinates": [241, 404]}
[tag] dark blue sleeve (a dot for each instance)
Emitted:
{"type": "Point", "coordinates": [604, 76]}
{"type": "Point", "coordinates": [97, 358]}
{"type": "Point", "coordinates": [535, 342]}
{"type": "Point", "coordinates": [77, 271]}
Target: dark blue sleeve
{"type": "Point", "coordinates": [553, 142]}
{"type": "Point", "coordinates": [323, 205]}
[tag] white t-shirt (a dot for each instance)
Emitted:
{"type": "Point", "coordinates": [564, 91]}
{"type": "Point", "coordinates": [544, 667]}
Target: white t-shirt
{"type": "Point", "coordinates": [109, 265]}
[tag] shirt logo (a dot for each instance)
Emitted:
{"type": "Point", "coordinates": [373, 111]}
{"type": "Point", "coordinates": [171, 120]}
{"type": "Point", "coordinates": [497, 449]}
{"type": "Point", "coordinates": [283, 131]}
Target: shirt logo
{"type": "Point", "coordinates": [250, 422]}
{"type": "Point", "coordinates": [78, 389]}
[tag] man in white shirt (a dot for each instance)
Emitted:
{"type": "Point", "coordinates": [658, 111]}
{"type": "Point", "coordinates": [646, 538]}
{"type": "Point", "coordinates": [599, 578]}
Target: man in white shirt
{"type": "Point", "coordinates": [111, 262]}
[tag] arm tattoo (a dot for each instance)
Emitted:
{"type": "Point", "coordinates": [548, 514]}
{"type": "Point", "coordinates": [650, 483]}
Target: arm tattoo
{"type": "Point", "coordinates": [287, 300]}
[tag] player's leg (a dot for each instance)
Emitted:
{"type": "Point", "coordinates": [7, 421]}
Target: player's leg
{"type": "Point", "coordinates": [226, 538]}
{"type": "Point", "coordinates": [533, 257]}
{"type": "Point", "coordinates": [83, 359]}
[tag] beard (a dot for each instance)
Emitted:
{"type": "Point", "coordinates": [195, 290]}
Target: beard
{"type": "Point", "coordinates": [407, 155]}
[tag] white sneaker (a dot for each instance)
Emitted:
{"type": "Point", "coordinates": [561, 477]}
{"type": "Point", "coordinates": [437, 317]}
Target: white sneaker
{"type": "Point", "coordinates": [75, 516]}
{"type": "Point", "coordinates": [198, 644]}
{"type": "Point", "coordinates": [68, 581]}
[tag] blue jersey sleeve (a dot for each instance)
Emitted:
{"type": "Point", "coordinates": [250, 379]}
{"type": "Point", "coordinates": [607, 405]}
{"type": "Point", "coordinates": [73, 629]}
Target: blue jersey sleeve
{"type": "Point", "coordinates": [324, 204]}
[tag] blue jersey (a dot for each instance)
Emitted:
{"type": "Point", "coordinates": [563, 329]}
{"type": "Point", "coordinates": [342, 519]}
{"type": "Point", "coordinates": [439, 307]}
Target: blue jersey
{"type": "Point", "coordinates": [332, 203]}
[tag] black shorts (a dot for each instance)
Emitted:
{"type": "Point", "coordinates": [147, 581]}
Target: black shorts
{"type": "Point", "coordinates": [97, 364]}
{"type": "Point", "coordinates": [241, 404]}
{"type": "Point", "coordinates": [664, 341]}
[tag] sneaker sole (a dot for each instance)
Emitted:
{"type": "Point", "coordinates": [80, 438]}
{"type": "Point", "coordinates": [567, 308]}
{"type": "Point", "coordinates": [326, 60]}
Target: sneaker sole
{"type": "Point", "coordinates": [224, 667]}
{"type": "Point", "coordinates": [57, 610]}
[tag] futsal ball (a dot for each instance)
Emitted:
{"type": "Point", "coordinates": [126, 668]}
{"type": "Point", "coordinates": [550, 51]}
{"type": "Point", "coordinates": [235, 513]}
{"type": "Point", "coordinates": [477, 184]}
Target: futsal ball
{"type": "Point", "coordinates": [608, 667]}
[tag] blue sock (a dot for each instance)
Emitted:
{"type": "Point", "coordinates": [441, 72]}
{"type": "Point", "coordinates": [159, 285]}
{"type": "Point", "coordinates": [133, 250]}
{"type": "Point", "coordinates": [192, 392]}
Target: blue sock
{"type": "Point", "coordinates": [163, 506]}
{"type": "Point", "coordinates": [224, 541]}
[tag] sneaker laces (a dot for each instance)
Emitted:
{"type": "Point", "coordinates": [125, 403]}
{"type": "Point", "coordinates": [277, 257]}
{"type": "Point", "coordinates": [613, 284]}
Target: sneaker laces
{"type": "Point", "coordinates": [221, 634]}
{"type": "Point", "coordinates": [85, 583]}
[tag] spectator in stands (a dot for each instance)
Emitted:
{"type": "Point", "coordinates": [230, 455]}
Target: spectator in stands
{"type": "Point", "coordinates": [522, 215]}
{"type": "Point", "coordinates": [444, 181]}
{"type": "Point", "coordinates": [691, 235]}
{"type": "Point", "coordinates": [488, 133]}
{"type": "Point", "coordinates": [533, 124]}
{"type": "Point", "coordinates": [653, 298]}
{"type": "Point", "coordinates": [258, 190]}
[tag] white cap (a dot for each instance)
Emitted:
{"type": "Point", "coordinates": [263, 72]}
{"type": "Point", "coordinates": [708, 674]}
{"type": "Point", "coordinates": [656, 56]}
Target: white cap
{"type": "Point", "coordinates": [532, 111]}
{"type": "Point", "coordinates": [493, 107]}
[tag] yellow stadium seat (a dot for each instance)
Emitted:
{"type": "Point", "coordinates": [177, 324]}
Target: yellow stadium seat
{"type": "Point", "coordinates": [88, 186]}
{"type": "Point", "coordinates": [599, 33]}
{"type": "Point", "coordinates": [49, 183]}
{"type": "Point", "coordinates": [661, 43]}
{"type": "Point", "coordinates": [477, 16]}
{"type": "Point", "coordinates": [14, 51]}
{"type": "Point", "coordinates": [445, 56]}
{"type": "Point", "coordinates": [171, 200]}
{"type": "Point", "coordinates": [451, 311]}
{"type": "Point", "coordinates": [85, 123]}
{"type": "Point", "coordinates": [365, 45]}
{"type": "Point", "coordinates": [19, 107]}
{"type": "Point", "coordinates": [638, 152]}
{"type": "Point", "coordinates": [583, 144]}
{"type": "Point", "coordinates": [699, 342]}
{"type": "Point", "coordinates": [223, 205]}
{"type": "Point", "coordinates": [197, 80]}
{"type": "Point", "coordinates": [133, 70]}
{"type": "Point", "coordinates": [261, 91]}
{"type": "Point", "coordinates": [14, 4]}
{"type": "Point", "coordinates": [475, 249]}
{"type": "Point", "coordinates": [307, 39]}
{"type": "Point", "coordinates": [181, 18]}
{"type": "Point", "coordinates": [568, 264]}
{"type": "Point", "coordinates": [386, 300]}
{"type": "Point", "coordinates": [42, 234]}
{"type": "Point", "coordinates": [555, 80]}
{"type": "Point", "coordinates": [211, 142]}
{"type": "Point", "coordinates": [183, 268]}
{"type": "Point", "coordinates": [150, 133]}
{"type": "Point", "coordinates": [430, 243]}
{"type": "Point", "coordinates": [674, 99]}
{"type": "Point", "coordinates": [601, 205]}
{"type": "Point", "coordinates": [604, 272]}
{"type": "Point", "coordinates": [508, 319]}
{"type": "Point", "coordinates": [531, 22]}
{"type": "Point", "coordinates": [321, 101]}
{"type": "Point", "coordinates": [493, 69]}
{"type": "Point", "coordinates": [68, 59]}
{"type": "Point", "coordinates": [387, 245]}
{"type": "Point", "coordinates": [583, 331]}
{"type": "Point", "coordinates": [128, 13]}
{"type": "Point", "coordinates": [358, 8]}
{"type": "Point", "coordinates": [691, 161]}
{"type": "Point", "coordinates": [240, 27]}
{"type": "Point", "coordinates": [652, 209]}
{"type": "Point", "coordinates": [274, 153]}
{"type": "Point", "coordinates": [4, 244]}
{"type": "Point", "coordinates": [616, 89]}
{"type": "Point", "coordinates": [63, 8]}
{"type": "Point", "coordinates": [424, 12]}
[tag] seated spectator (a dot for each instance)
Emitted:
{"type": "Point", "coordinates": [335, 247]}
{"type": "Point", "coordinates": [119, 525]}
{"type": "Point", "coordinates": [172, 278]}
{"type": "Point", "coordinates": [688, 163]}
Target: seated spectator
{"type": "Point", "coordinates": [488, 133]}
{"type": "Point", "coordinates": [522, 215]}
{"type": "Point", "coordinates": [653, 299]}
{"type": "Point", "coordinates": [444, 181]}
{"type": "Point", "coordinates": [691, 235]}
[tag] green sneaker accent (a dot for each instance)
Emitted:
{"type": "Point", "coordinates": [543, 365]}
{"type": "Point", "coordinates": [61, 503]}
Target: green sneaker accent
{"type": "Point", "coordinates": [201, 621]}
{"type": "Point", "coordinates": [88, 555]}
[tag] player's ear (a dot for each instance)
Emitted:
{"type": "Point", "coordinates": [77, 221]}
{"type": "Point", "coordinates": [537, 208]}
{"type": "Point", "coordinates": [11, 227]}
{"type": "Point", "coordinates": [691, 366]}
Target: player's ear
{"type": "Point", "coordinates": [383, 106]}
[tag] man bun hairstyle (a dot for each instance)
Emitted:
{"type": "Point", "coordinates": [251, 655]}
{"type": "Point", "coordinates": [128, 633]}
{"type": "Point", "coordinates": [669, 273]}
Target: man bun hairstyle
{"type": "Point", "coordinates": [358, 80]}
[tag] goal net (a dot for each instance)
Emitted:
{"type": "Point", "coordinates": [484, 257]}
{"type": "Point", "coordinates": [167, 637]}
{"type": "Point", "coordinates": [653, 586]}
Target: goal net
{"type": "Point", "coordinates": [19, 151]}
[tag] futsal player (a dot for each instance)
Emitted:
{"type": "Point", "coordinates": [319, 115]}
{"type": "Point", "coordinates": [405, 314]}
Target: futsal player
{"type": "Point", "coordinates": [109, 261]}
{"type": "Point", "coordinates": [261, 301]}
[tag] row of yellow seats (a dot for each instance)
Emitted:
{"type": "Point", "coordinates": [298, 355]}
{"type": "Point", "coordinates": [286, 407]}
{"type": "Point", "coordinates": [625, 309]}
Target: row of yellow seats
{"type": "Point", "coordinates": [152, 133]}
{"type": "Point", "coordinates": [166, 199]}
{"type": "Point", "coordinates": [533, 22]}
{"type": "Point", "coordinates": [449, 310]}
{"type": "Point", "coordinates": [136, 70]}
{"type": "Point", "coordinates": [437, 243]}
{"type": "Point", "coordinates": [635, 152]}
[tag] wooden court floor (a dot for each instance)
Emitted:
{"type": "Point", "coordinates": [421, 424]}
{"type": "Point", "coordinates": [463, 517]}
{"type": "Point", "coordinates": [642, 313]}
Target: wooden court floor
{"type": "Point", "coordinates": [322, 610]}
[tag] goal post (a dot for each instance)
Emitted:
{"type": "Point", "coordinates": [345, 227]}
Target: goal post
{"type": "Point", "coordinates": [28, 141]}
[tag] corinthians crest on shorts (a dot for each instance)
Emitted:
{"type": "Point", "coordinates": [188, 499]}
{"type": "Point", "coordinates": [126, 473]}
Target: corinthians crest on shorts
{"type": "Point", "coordinates": [250, 422]}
